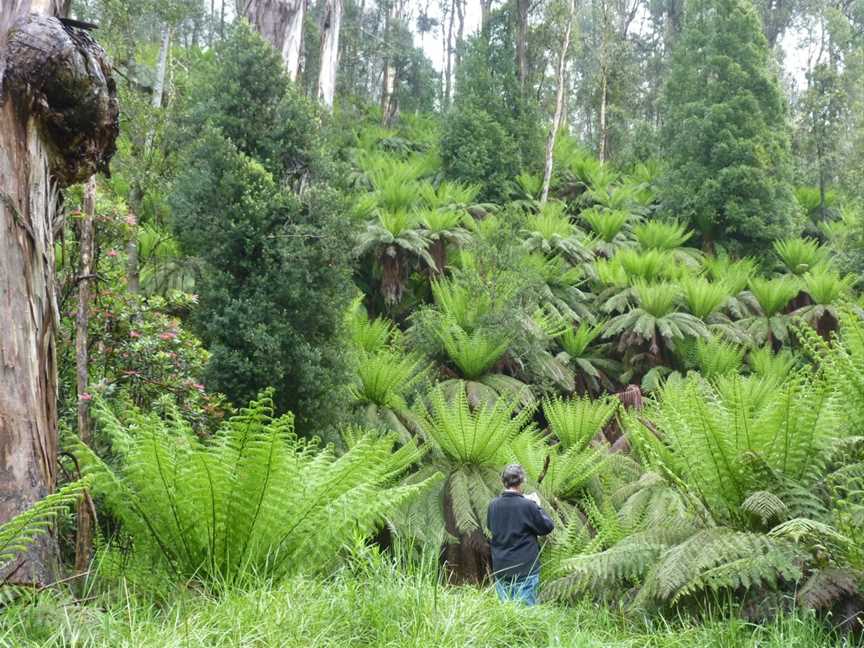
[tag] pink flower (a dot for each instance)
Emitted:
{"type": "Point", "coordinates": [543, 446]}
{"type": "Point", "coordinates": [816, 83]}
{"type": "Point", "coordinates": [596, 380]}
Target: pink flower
{"type": "Point", "coordinates": [167, 335]}
{"type": "Point", "coordinates": [199, 387]}
{"type": "Point", "coordinates": [112, 253]}
{"type": "Point", "coordinates": [134, 334]}
{"type": "Point", "coordinates": [131, 220]}
{"type": "Point", "coordinates": [85, 397]}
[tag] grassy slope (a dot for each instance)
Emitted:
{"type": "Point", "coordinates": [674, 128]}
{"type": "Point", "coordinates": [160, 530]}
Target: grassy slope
{"type": "Point", "coordinates": [350, 610]}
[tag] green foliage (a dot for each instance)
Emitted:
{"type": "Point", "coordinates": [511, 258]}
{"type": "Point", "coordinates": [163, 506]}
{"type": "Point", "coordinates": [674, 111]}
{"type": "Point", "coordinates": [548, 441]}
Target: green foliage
{"type": "Point", "coordinates": [702, 297]}
{"type": "Point", "coordinates": [740, 462]}
{"type": "Point", "coordinates": [19, 533]}
{"type": "Point", "coordinates": [385, 376]}
{"type": "Point", "coordinates": [275, 277]}
{"type": "Point", "coordinates": [726, 137]}
{"type": "Point", "coordinates": [215, 511]}
{"type": "Point", "coordinates": [735, 275]}
{"type": "Point", "coordinates": [477, 149]}
{"type": "Point", "coordinates": [773, 294]}
{"type": "Point", "coordinates": [827, 287]}
{"type": "Point", "coordinates": [660, 235]}
{"type": "Point", "coordinates": [770, 365]}
{"type": "Point", "coordinates": [651, 265]}
{"type": "Point", "coordinates": [477, 436]}
{"type": "Point", "coordinates": [800, 255]}
{"type": "Point", "coordinates": [473, 353]}
{"type": "Point", "coordinates": [607, 224]}
{"type": "Point", "coordinates": [716, 357]}
{"type": "Point", "coordinates": [656, 317]}
{"type": "Point", "coordinates": [492, 132]}
{"type": "Point", "coordinates": [577, 421]}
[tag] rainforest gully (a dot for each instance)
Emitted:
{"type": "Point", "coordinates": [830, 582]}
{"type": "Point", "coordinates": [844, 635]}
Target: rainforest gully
{"type": "Point", "coordinates": [403, 323]}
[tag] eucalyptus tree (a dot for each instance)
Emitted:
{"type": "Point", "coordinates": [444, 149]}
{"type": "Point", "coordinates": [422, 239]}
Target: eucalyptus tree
{"type": "Point", "coordinates": [59, 126]}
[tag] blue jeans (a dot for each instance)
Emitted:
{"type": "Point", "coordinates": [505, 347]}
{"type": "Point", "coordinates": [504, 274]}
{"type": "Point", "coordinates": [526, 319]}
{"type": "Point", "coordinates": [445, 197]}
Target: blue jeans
{"type": "Point", "coordinates": [522, 590]}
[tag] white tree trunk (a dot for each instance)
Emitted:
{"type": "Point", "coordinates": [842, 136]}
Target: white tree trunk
{"type": "Point", "coordinates": [280, 22]}
{"type": "Point", "coordinates": [559, 105]}
{"type": "Point", "coordinates": [331, 24]}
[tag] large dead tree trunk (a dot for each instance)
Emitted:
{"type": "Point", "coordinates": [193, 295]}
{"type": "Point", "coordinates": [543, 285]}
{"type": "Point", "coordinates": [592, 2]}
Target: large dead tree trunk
{"type": "Point", "coordinates": [331, 23]}
{"type": "Point", "coordinates": [559, 104]}
{"type": "Point", "coordinates": [280, 22]}
{"type": "Point", "coordinates": [58, 123]}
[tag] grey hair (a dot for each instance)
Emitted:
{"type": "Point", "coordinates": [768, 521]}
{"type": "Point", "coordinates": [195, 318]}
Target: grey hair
{"type": "Point", "coordinates": [513, 475]}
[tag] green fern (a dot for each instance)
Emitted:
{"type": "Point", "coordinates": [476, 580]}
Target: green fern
{"type": "Point", "coordinates": [702, 297]}
{"type": "Point", "coordinates": [473, 353]}
{"type": "Point", "coordinates": [576, 421]}
{"type": "Point", "coordinates": [472, 436]}
{"type": "Point", "coordinates": [660, 235]}
{"type": "Point", "coordinates": [385, 377]}
{"type": "Point", "coordinates": [216, 511]}
{"type": "Point", "coordinates": [800, 255]}
{"type": "Point", "coordinates": [19, 533]}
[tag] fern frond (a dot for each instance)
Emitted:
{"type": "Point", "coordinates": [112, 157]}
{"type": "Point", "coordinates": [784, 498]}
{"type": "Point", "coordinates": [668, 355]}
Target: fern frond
{"type": "Point", "coordinates": [19, 533]}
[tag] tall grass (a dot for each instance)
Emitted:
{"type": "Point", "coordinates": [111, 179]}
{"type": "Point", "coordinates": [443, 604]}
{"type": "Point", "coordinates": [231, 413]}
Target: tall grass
{"type": "Point", "coordinates": [374, 602]}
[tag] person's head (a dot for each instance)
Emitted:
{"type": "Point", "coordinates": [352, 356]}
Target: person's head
{"type": "Point", "coordinates": [513, 477]}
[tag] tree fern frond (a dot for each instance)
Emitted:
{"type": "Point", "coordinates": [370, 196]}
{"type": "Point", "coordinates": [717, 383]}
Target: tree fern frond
{"type": "Point", "coordinates": [18, 533]}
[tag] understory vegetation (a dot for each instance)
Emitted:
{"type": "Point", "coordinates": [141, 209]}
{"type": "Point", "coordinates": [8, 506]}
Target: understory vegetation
{"type": "Point", "coordinates": [310, 337]}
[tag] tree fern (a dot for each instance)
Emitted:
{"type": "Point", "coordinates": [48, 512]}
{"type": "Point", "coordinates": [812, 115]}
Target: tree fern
{"type": "Point", "coordinates": [661, 235]}
{"type": "Point", "coordinates": [800, 255]}
{"type": "Point", "coordinates": [702, 297]}
{"type": "Point", "coordinates": [370, 336]}
{"type": "Point", "coordinates": [648, 265]}
{"type": "Point", "coordinates": [473, 353]}
{"type": "Point", "coordinates": [216, 511]}
{"type": "Point", "coordinates": [576, 421]}
{"type": "Point", "coordinates": [472, 436]}
{"type": "Point", "coordinates": [385, 377]}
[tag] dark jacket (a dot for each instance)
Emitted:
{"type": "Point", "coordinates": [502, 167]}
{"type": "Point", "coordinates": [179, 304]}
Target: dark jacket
{"type": "Point", "coordinates": [515, 523]}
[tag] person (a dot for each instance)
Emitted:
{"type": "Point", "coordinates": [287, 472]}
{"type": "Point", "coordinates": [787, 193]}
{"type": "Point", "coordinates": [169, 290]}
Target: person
{"type": "Point", "coordinates": [515, 521]}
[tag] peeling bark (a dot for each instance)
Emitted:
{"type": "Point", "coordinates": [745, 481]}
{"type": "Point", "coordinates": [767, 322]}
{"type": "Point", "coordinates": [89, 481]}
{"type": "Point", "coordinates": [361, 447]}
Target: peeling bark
{"type": "Point", "coordinates": [58, 123]}
{"type": "Point", "coordinates": [331, 24]}
{"type": "Point", "coordinates": [280, 22]}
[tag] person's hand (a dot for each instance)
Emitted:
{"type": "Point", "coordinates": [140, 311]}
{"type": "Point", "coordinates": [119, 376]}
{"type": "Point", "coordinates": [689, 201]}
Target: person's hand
{"type": "Point", "coordinates": [534, 497]}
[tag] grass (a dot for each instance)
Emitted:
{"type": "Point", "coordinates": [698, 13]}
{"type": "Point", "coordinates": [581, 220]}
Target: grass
{"type": "Point", "coordinates": [372, 605]}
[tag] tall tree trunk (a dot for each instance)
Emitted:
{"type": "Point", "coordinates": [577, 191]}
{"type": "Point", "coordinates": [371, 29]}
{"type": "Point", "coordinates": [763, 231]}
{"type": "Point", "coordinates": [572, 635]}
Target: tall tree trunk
{"type": "Point", "coordinates": [522, 7]}
{"type": "Point", "coordinates": [604, 127]}
{"type": "Point", "coordinates": [84, 537]}
{"type": "Point", "coordinates": [280, 22]}
{"type": "Point", "coordinates": [133, 270]}
{"type": "Point", "coordinates": [448, 68]}
{"type": "Point", "coordinates": [460, 32]}
{"type": "Point", "coordinates": [559, 104]}
{"type": "Point", "coordinates": [389, 107]}
{"type": "Point", "coordinates": [485, 11]}
{"type": "Point", "coordinates": [331, 24]}
{"type": "Point", "coordinates": [52, 76]}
